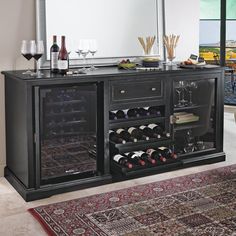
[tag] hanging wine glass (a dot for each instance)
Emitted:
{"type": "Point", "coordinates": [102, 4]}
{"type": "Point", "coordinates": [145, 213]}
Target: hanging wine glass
{"type": "Point", "coordinates": [178, 91]}
{"type": "Point", "coordinates": [25, 51]}
{"type": "Point", "coordinates": [183, 85]}
{"type": "Point", "coordinates": [191, 87]}
{"type": "Point", "coordinates": [93, 50]}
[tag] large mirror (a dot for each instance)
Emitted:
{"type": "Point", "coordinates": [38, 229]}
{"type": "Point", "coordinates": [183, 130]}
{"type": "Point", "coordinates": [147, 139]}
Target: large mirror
{"type": "Point", "coordinates": [114, 24]}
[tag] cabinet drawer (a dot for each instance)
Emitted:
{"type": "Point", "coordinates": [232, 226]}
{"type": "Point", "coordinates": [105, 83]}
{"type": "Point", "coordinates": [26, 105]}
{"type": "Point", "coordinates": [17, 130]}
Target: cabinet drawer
{"type": "Point", "coordinates": [132, 90]}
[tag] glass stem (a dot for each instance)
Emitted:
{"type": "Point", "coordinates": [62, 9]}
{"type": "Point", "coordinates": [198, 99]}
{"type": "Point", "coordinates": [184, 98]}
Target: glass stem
{"type": "Point", "coordinates": [92, 65]}
{"type": "Point", "coordinates": [37, 68]}
{"type": "Point", "coordinates": [84, 59]}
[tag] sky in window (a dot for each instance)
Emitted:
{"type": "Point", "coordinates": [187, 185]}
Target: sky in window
{"type": "Point", "coordinates": [210, 26]}
{"type": "Point", "coordinates": [210, 9]}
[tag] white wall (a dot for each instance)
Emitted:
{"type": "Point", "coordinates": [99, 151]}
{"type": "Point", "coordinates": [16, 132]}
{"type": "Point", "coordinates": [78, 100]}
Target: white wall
{"type": "Point", "coordinates": [182, 18]}
{"type": "Point", "coordinates": [17, 22]}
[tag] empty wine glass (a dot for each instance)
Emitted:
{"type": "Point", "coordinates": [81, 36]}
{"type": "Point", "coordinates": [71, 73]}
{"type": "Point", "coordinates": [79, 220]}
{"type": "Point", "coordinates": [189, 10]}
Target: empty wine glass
{"type": "Point", "coordinates": [191, 87]}
{"type": "Point", "coordinates": [178, 91]}
{"type": "Point", "coordinates": [25, 51]}
{"type": "Point", "coordinates": [183, 85]}
{"type": "Point", "coordinates": [84, 50]}
{"type": "Point", "coordinates": [189, 147]}
{"type": "Point", "coordinates": [37, 51]}
{"type": "Point", "coordinates": [93, 50]}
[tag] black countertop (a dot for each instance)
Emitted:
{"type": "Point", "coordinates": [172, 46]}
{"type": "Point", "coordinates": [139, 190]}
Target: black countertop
{"type": "Point", "coordinates": [112, 71]}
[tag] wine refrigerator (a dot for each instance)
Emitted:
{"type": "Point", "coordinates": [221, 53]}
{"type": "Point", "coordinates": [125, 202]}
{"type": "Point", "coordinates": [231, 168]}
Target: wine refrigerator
{"type": "Point", "coordinates": [67, 132]}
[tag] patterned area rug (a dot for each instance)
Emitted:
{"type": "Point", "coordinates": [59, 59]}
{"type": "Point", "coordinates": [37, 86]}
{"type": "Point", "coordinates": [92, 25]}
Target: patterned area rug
{"type": "Point", "coordinates": [200, 204]}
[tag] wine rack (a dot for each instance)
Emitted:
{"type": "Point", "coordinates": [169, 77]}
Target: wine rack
{"type": "Point", "coordinates": [120, 148]}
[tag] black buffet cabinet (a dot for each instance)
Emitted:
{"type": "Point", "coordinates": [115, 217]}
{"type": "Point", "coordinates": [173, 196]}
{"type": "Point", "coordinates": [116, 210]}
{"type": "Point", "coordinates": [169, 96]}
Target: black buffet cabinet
{"type": "Point", "coordinates": [59, 128]}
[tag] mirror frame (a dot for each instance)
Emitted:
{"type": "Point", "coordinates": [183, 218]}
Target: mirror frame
{"type": "Point", "coordinates": [104, 61]}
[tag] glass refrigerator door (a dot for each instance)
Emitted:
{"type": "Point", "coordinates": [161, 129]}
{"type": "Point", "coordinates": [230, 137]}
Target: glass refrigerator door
{"type": "Point", "coordinates": [194, 116]}
{"type": "Point", "coordinates": [68, 132]}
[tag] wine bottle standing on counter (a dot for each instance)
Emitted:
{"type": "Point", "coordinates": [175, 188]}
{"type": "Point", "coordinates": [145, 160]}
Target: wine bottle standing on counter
{"type": "Point", "coordinates": [123, 161]}
{"type": "Point", "coordinates": [63, 58]}
{"type": "Point", "coordinates": [54, 52]}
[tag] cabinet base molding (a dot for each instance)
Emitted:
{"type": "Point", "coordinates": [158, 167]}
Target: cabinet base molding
{"type": "Point", "coordinates": [30, 194]}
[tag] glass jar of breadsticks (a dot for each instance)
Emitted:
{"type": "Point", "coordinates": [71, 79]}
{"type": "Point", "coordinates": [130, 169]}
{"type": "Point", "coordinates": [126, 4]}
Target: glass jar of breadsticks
{"type": "Point", "coordinates": [170, 43]}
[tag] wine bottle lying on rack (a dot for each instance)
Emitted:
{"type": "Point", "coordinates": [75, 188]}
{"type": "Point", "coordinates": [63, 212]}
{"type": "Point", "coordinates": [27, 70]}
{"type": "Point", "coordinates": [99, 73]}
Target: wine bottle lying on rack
{"type": "Point", "coordinates": [158, 130]}
{"type": "Point", "coordinates": [156, 155]}
{"type": "Point", "coordinates": [155, 110]}
{"type": "Point", "coordinates": [138, 134]}
{"type": "Point", "coordinates": [126, 135]}
{"type": "Point", "coordinates": [123, 161]}
{"type": "Point", "coordinates": [167, 152]}
{"type": "Point", "coordinates": [134, 158]}
{"type": "Point", "coordinates": [112, 115]}
{"type": "Point", "coordinates": [145, 157]}
{"type": "Point", "coordinates": [143, 111]}
{"type": "Point", "coordinates": [149, 132]}
{"type": "Point", "coordinates": [120, 114]}
{"type": "Point", "coordinates": [133, 112]}
{"type": "Point", "coordinates": [114, 137]}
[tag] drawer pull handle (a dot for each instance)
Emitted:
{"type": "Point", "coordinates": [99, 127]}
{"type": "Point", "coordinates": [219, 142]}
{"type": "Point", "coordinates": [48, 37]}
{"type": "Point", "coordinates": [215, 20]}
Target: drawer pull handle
{"type": "Point", "coordinates": [122, 91]}
{"type": "Point", "coordinates": [153, 89]}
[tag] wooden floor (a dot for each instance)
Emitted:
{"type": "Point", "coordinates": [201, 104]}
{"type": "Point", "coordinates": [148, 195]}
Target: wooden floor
{"type": "Point", "coordinates": [16, 221]}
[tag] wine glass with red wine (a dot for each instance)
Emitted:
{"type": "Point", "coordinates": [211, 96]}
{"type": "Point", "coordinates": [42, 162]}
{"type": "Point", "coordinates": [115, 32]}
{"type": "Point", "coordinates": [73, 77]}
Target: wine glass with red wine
{"type": "Point", "coordinates": [37, 50]}
{"type": "Point", "coordinates": [25, 51]}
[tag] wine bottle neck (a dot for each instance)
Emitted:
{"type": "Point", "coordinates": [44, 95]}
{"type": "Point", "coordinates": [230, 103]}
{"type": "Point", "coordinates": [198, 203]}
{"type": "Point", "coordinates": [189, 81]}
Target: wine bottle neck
{"type": "Point", "coordinates": [54, 39]}
{"type": "Point", "coordinates": [63, 42]}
